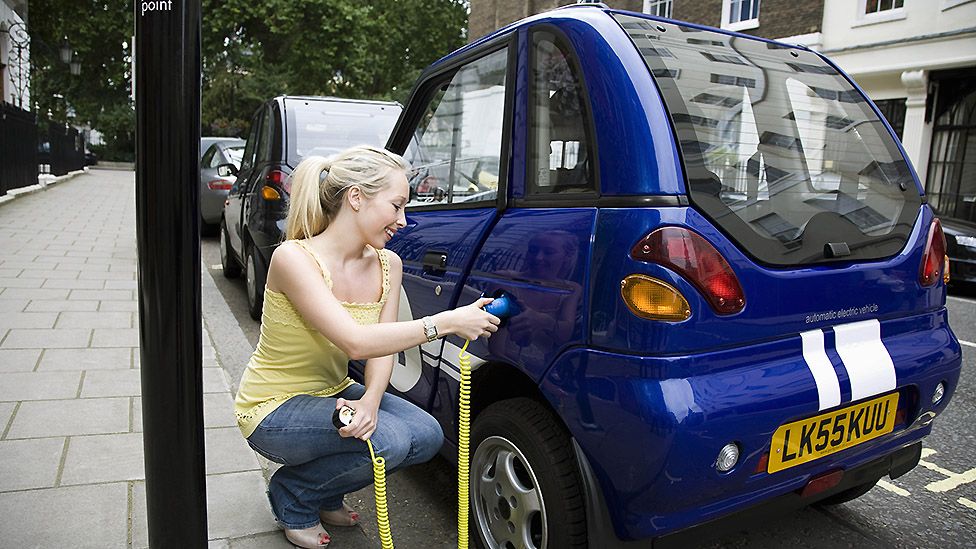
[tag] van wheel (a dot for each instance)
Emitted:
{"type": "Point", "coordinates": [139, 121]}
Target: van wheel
{"type": "Point", "coordinates": [525, 488]}
{"type": "Point", "coordinates": [254, 283]}
{"type": "Point", "coordinates": [849, 495]}
{"type": "Point", "coordinates": [228, 265]}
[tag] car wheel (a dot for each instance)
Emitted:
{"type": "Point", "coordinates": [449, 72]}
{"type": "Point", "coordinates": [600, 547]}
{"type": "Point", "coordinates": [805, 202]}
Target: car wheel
{"type": "Point", "coordinates": [525, 488]}
{"type": "Point", "coordinates": [227, 263]}
{"type": "Point", "coordinates": [254, 283]}
{"type": "Point", "coordinates": [849, 495]}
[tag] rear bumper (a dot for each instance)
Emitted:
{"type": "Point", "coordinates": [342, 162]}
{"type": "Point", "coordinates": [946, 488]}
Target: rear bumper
{"type": "Point", "coordinates": [652, 427]}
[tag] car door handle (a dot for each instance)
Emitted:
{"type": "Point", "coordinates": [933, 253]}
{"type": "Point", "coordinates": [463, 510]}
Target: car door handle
{"type": "Point", "coordinates": [435, 262]}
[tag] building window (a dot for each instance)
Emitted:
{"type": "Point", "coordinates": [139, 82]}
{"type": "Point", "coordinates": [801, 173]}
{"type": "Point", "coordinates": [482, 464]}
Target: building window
{"type": "Point", "coordinates": [740, 14]}
{"type": "Point", "coordinates": [877, 6]}
{"type": "Point", "coordinates": [952, 161]}
{"type": "Point", "coordinates": [894, 112]}
{"type": "Point", "coordinates": [870, 12]}
{"type": "Point", "coordinates": [660, 8]}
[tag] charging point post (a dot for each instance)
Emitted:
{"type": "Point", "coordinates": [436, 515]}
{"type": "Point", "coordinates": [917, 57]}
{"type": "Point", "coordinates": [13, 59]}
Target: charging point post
{"type": "Point", "coordinates": [167, 97]}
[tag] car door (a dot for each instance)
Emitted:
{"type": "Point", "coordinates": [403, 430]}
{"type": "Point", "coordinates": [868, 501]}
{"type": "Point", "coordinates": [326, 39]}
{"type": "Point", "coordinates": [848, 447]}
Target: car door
{"type": "Point", "coordinates": [457, 133]}
{"type": "Point", "coordinates": [239, 191]}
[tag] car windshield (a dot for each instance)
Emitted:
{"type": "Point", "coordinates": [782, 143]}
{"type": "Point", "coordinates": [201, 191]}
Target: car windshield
{"type": "Point", "coordinates": [780, 150]}
{"type": "Point", "coordinates": [323, 128]}
{"type": "Point", "coordinates": [235, 155]}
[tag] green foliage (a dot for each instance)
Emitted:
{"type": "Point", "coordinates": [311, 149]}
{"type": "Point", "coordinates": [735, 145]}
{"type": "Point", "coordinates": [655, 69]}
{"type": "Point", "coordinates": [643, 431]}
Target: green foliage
{"type": "Point", "coordinates": [251, 50]}
{"type": "Point", "coordinates": [99, 31]}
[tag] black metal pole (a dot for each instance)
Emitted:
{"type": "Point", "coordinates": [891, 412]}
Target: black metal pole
{"type": "Point", "coordinates": [167, 60]}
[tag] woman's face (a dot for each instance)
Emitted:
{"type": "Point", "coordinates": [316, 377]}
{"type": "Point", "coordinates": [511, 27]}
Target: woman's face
{"type": "Point", "coordinates": [545, 256]}
{"type": "Point", "coordinates": [382, 215]}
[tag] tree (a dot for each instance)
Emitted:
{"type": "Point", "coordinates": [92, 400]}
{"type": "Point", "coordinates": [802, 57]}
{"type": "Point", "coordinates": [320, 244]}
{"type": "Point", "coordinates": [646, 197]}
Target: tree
{"type": "Point", "coordinates": [99, 31]}
{"type": "Point", "coordinates": [254, 51]}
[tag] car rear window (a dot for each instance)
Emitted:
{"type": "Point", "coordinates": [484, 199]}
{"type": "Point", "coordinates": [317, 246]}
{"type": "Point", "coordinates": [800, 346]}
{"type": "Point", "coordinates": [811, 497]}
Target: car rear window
{"type": "Point", "coordinates": [323, 128]}
{"type": "Point", "coordinates": [779, 149]}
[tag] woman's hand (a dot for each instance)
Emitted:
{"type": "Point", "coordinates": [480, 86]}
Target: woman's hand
{"type": "Point", "coordinates": [469, 322]}
{"type": "Point", "coordinates": [363, 421]}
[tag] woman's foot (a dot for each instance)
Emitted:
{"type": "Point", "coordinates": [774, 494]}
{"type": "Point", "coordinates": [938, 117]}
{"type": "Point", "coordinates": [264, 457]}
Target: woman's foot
{"type": "Point", "coordinates": [308, 538]}
{"type": "Point", "coordinates": [340, 517]}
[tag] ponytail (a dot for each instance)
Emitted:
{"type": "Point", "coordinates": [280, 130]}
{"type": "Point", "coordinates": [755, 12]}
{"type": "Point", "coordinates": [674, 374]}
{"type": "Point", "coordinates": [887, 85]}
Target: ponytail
{"type": "Point", "coordinates": [319, 185]}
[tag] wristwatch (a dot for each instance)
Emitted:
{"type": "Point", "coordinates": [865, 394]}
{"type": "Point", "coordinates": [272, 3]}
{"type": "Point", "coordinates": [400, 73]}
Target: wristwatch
{"type": "Point", "coordinates": [429, 329]}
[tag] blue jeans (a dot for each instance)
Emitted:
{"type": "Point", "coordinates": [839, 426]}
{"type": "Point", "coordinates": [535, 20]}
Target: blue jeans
{"type": "Point", "coordinates": [320, 467]}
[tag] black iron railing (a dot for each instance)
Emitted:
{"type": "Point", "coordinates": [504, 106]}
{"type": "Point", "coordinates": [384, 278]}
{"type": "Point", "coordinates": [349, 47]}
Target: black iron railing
{"type": "Point", "coordinates": [60, 150]}
{"type": "Point", "coordinates": [18, 148]}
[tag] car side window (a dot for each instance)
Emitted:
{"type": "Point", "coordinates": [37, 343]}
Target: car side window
{"type": "Point", "coordinates": [263, 152]}
{"type": "Point", "coordinates": [456, 153]}
{"type": "Point", "coordinates": [560, 146]}
{"type": "Point", "coordinates": [208, 157]}
{"type": "Point", "coordinates": [252, 140]}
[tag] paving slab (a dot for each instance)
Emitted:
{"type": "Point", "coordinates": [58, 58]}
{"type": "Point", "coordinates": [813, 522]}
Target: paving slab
{"type": "Point", "coordinates": [74, 284]}
{"type": "Point", "coordinates": [39, 385]}
{"type": "Point", "coordinates": [28, 464]}
{"type": "Point", "coordinates": [18, 360]}
{"type": "Point", "coordinates": [119, 306]}
{"type": "Point", "coordinates": [48, 273]}
{"type": "Point", "coordinates": [92, 516]}
{"type": "Point", "coordinates": [11, 282]}
{"type": "Point", "coordinates": [116, 337]}
{"type": "Point", "coordinates": [82, 359]}
{"type": "Point", "coordinates": [92, 274]}
{"type": "Point", "coordinates": [46, 339]}
{"type": "Point", "coordinates": [104, 458]}
{"type": "Point", "coordinates": [9, 273]}
{"type": "Point", "coordinates": [35, 293]}
{"type": "Point", "coordinates": [28, 320]}
{"type": "Point", "coordinates": [109, 383]}
{"type": "Point", "coordinates": [61, 305]}
{"type": "Point", "coordinates": [101, 295]}
{"type": "Point", "coordinates": [228, 452]}
{"type": "Point", "coordinates": [84, 416]}
{"type": "Point", "coordinates": [95, 320]}
{"type": "Point", "coordinates": [215, 381]}
{"type": "Point", "coordinates": [268, 540]}
{"type": "Point", "coordinates": [6, 411]}
{"type": "Point", "coordinates": [13, 305]}
{"type": "Point", "coordinates": [218, 410]}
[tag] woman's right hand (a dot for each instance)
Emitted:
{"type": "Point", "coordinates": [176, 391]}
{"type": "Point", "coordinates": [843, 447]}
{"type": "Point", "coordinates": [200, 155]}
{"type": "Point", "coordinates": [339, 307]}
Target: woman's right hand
{"type": "Point", "coordinates": [469, 322]}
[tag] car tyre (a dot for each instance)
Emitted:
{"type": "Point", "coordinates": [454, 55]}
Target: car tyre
{"type": "Point", "coordinates": [254, 278]}
{"type": "Point", "coordinates": [228, 264]}
{"type": "Point", "coordinates": [850, 494]}
{"type": "Point", "coordinates": [525, 486]}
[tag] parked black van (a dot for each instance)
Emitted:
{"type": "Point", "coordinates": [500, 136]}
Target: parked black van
{"type": "Point", "coordinates": [284, 130]}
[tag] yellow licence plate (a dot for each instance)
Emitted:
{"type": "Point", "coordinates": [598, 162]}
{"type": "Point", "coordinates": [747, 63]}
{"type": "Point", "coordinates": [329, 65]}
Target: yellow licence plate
{"type": "Point", "coordinates": [818, 436]}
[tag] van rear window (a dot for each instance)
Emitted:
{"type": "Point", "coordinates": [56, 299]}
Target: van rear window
{"type": "Point", "coordinates": [779, 149]}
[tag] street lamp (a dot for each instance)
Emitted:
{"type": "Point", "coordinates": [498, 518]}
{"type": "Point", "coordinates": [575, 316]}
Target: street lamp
{"type": "Point", "coordinates": [66, 51]}
{"type": "Point", "coordinates": [75, 66]}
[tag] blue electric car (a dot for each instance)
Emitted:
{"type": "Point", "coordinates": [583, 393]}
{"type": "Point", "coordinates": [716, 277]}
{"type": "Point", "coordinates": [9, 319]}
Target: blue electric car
{"type": "Point", "coordinates": [728, 290]}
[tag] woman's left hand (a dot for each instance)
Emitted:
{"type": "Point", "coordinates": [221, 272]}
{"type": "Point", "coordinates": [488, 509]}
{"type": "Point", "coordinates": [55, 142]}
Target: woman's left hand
{"type": "Point", "coordinates": [364, 421]}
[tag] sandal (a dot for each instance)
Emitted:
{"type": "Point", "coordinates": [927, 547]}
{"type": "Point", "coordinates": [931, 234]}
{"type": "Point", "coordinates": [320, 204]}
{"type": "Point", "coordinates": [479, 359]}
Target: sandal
{"type": "Point", "coordinates": [308, 538]}
{"type": "Point", "coordinates": [335, 518]}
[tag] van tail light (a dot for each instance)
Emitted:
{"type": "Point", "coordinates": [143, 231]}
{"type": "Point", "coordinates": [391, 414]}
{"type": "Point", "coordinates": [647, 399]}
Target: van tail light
{"type": "Point", "coordinates": [934, 260]}
{"type": "Point", "coordinates": [654, 299]}
{"type": "Point", "coordinates": [219, 185]}
{"type": "Point", "coordinates": [278, 178]}
{"type": "Point", "coordinates": [691, 256]}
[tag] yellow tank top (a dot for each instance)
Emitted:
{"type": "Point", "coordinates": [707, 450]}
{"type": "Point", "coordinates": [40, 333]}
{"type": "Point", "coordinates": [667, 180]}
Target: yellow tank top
{"type": "Point", "coordinates": [292, 358]}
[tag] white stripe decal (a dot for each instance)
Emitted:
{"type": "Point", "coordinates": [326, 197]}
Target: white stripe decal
{"type": "Point", "coordinates": [828, 388]}
{"type": "Point", "coordinates": [867, 360]}
{"type": "Point", "coordinates": [450, 358]}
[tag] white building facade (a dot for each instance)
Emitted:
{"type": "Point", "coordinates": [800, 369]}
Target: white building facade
{"type": "Point", "coordinates": [14, 58]}
{"type": "Point", "coordinates": [917, 60]}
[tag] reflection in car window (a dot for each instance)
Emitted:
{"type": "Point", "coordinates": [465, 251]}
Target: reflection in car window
{"type": "Point", "coordinates": [234, 155]}
{"type": "Point", "coordinates": [324, 128]}
{"type": "Point", "coordinates": [560, 155]}
{"type": "Point", "coordinates": [457, 148]}
{"type": "Point", "coordinates": [208, 157]}
{"type": "Point", "coordinates": [779, 148]}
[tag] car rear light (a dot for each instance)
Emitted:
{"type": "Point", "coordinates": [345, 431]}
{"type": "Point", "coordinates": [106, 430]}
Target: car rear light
{"type": "Point", "coordinates": [270, 193]}
{"type": "Point", "coordinates": [654, 299]}
{"type": "Point", "coordinates": [934, 260]}
{"type": "Point", "coordinates": [822, 483]}
{"type": "Point", "coordinates": [279, 178]}
{"type": "Point", "coordinates": [691, 256]}
{"type": "Point", "coordinates": [219, 185]}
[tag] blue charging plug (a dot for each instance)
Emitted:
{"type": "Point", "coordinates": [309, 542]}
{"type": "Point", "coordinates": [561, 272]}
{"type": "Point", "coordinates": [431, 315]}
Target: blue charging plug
{"type": "Point", "coordinates": [503, 306]}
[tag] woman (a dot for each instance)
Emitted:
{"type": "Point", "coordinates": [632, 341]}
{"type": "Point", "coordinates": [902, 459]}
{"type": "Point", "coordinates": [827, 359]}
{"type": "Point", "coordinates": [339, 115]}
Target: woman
{"type": "Point", "coordinates": [328, 300]}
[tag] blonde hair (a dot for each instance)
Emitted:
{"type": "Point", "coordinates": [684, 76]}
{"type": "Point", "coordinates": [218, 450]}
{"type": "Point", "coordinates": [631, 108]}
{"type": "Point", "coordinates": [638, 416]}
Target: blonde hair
{"type": "Point", "coordinates": [319, 185]}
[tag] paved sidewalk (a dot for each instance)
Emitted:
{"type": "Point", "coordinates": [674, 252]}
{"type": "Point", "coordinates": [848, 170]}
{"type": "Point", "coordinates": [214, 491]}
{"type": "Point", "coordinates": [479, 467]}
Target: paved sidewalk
{"type": "Point", "coordinates": [71, 452]}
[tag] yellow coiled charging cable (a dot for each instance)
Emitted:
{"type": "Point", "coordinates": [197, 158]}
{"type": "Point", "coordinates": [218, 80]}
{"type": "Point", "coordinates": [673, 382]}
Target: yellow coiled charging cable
{"type": "Point", "coordinates": [464, 429]}
{"type": "Point", "coordinates": [379, 493]}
